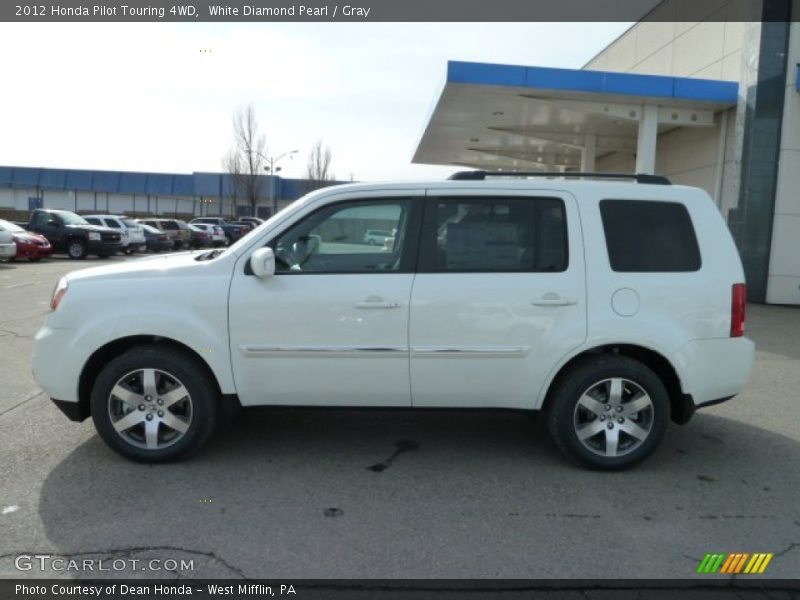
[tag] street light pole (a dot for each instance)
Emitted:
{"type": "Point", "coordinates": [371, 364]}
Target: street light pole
{"type": "Point", "coordinates": [272, 169]}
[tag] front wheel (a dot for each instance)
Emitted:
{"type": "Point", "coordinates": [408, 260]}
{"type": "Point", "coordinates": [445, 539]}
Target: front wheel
{"type": "Point", "coordinates": [154, 404]}
{"type": "Point", "coordinates": [76, 250]}
{"type": "Point", "coordinates": [609, 412]}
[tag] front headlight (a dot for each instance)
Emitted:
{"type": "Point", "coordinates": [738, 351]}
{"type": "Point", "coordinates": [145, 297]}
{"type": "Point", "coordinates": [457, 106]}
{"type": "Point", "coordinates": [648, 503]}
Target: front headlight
{"type": "Point", "coordinates": [59, 292]}
{"type": "Point", "coordinates": [94, 236]}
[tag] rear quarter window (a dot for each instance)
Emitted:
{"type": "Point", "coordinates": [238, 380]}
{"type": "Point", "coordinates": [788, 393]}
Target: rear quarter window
{"type": "Point", "coordinates": [649, 237]}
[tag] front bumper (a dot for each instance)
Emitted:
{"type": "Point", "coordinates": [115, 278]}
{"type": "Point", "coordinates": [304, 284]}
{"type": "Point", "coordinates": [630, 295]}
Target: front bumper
{"type": "Point", "coordinates": [56, 364]}
{"type": "Point", "coordinates": [8, 250]}
{"type": "Point", "coordinates": [103, 248]}
{"type": "Point", "coordinates": [33, 251]}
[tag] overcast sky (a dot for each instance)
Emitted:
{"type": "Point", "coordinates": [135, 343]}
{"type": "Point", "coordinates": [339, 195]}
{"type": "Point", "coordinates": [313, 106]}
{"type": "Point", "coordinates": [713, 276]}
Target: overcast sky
{"type": "Point", "coordinates": [143, 97]}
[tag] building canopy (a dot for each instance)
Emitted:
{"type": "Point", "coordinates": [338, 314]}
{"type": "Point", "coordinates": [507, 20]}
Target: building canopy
{"type": "Point", "coordinates": [505, 117]}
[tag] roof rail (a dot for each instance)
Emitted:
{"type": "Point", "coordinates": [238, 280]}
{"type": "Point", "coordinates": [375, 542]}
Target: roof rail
{"type": "Point", "coordinates": [638, 177]}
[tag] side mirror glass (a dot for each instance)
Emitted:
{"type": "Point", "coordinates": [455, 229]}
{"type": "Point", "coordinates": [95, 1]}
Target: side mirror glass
{"type": "Point", "coordinates": [262, 262]}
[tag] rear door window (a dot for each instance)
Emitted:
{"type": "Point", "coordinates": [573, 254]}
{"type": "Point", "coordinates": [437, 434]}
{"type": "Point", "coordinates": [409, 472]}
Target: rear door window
{"type": "Point", "coordinates": [480, 235]}
{"type": "Point", "coordinates": [649, 237]}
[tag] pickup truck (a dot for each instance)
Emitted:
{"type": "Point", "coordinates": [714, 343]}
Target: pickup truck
{"type": "Point", "coordinates": [232, 231]}
{"type": "Point", "coordinates": [71, 233]}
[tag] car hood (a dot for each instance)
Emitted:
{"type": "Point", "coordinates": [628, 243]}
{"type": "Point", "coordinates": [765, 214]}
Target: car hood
{"type": "Point", "coordinates": [96, 228]}
{"type": "Point", "coordinates": [29, 237]}
{"type": "Point", "coordinates": [173, 264]}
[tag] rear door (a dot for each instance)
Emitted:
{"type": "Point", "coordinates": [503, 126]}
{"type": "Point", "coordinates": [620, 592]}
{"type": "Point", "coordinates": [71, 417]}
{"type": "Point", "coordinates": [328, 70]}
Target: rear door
{"type": "Point", "coordinates": [498, 299]}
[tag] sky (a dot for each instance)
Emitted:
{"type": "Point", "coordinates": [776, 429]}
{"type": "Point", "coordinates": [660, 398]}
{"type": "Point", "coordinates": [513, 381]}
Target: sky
{"type": "Point", "coordinates": [161, 96]}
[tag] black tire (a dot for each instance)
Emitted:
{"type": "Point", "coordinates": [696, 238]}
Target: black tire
{"type": "Point", "coordinates": [202, 392]}
{"type": "Point", "coordinates": [76, 249]}
{"type": "Point", "coordinates": [128, 251]}
{"type": "Point", "coordinates": [564, 415]}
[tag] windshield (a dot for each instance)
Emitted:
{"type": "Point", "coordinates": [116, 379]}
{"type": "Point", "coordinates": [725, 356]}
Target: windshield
{"type": "Point", "coordinates": [72, 219]}
{"type": "Point", "coordinates": [11, 227]}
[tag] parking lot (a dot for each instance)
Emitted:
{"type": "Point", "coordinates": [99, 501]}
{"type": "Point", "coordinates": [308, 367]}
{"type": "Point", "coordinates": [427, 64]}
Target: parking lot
{"type": "Point", "coordinates": [328, 494]}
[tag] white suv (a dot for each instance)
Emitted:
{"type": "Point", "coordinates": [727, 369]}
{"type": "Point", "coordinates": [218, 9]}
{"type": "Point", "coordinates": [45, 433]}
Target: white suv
{"type": "Point", "coordinates": [132, 233]}
{"type": "Point", "coordinates": [611, 306]}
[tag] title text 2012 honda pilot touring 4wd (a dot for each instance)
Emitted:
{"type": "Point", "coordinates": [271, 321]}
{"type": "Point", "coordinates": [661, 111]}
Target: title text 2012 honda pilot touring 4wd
{"type": "Point", "coordinates": [611, 306]}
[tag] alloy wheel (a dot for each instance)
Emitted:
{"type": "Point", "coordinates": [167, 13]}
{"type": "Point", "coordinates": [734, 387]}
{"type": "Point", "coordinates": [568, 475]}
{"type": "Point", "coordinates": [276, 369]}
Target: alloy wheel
{"type": "Point", "coordinates": [613, 417]}
{"type": "Point", "coordinates": [150, 408]}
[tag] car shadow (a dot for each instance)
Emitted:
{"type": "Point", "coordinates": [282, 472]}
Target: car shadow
{"type": "Point", "coordinates": [276, 480]}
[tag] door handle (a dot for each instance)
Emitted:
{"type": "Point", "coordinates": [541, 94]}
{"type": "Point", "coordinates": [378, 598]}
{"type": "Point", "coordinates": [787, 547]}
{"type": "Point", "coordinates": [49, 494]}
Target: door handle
{"type": "Point", "coordinates": [552, 299]}
{"type": "Point", "coordinates": [378, 304]}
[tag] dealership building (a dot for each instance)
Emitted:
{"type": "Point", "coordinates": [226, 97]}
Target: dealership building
{"type": "Point", "coordinates": [139, 194]}
{"type": "Point", "coordinates": [713, 103]}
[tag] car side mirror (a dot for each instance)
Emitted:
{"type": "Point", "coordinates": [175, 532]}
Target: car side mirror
{"type": "Point", "coordinates": [262, 262]}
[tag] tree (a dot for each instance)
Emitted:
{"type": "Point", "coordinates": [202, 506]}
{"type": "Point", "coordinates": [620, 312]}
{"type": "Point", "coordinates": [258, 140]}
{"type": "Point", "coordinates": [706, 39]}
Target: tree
{"type": "Point", "coordinates": [233, 167]}
{"type": "Point", "coordinates": [319, 165]}
{"type": "Point", "coordinates": [245, 163]}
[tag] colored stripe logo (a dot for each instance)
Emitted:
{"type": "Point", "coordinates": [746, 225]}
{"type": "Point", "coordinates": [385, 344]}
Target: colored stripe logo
{"type": "Point", "coordinates": [735, 563]}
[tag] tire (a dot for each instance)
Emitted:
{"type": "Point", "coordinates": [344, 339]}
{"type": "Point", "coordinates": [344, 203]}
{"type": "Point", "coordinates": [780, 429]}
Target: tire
{"type": "Point", "coordinates": [76, 249]}
{"type": "Point", "coordinates": [195, 412]}
{"type": "Point", "coordinates": [35, 258]}
{"type": "Point", "coordinates": [128, 251]}
{"type": "Point", "coordinates": [606, 398]}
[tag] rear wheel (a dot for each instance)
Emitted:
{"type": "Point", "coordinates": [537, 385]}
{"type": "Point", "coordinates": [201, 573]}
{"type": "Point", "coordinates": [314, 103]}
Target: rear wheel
{"type": "Point", "coordinates": [154, 405]}
{"type": "Point", "coordinates": [609, 412]}
{"type": "Point", "coordinates": [76, 249]}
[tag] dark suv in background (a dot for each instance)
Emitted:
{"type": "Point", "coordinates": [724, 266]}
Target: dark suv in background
{"type": "Point", "coordinates": [71, 233]}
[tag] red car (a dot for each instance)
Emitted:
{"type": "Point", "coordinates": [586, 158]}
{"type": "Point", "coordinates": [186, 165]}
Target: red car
{"type": "Point", "coordinates": [29, 245]}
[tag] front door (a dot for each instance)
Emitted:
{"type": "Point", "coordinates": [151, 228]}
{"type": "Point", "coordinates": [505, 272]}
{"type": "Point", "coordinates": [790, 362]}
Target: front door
{"type": "Point", "coordinates": [331, 326]}
{"type": "Point", "coordinates": [499, 297]}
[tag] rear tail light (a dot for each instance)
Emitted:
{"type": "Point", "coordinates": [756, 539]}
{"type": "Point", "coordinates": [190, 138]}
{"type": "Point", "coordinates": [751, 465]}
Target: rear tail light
{"type": "Point", "coordinates": [738, 302]}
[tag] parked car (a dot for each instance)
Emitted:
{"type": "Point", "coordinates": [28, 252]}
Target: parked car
{"type": "Point", "coordinates": [246, 226]}
{"type": "Point", "coordinates": [217, 235]}
{"type": "Point", "coordinates": [156, 240]}
{"type": "Point", "coordinates": [232, 232]}
{"type": "Point", "coordinates": [28, 245]}
{"type": "Point", "coordinates": [179, 231]}
{"type": "Point", "coordinates": [255, 221]}
{"type": "Point", "coordinates": [8, 249]}
{"type": "Point", "coordinates": [611, 307]}
{"type": "Point", "coordinates": [71, 233]}
{"type": "Point", "coordinates": [132, 234]}
{"type": "Point", "coordinates": [377, 237]}
{"type": "Point", "coordinates": [200, 237]}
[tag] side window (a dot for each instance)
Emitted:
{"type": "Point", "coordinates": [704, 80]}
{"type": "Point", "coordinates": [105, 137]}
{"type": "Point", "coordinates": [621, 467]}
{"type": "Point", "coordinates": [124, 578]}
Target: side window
{"type": "Point", "coordinates": [337, 239]}
{"type": "Point", "coordinates": [112, 223]}
{"type": "Point", "coordinates": [479, 235]}
{"type": "Point", "coordinates": [649, 237]}
{"type": "Point", "coordinates": [40, 219]}
{"type": "Point", "coordinates": [93, 220]}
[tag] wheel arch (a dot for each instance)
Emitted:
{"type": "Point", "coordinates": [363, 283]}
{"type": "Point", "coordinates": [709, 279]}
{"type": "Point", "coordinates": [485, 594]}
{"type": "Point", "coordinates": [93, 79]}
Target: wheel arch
{"type": "Point", "coordinates": [111, 350]}
{"type": "Point", "coordinates": [681, 404]}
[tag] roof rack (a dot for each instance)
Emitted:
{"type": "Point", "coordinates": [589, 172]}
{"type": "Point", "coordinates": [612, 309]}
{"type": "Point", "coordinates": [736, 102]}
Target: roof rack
{"type": "Point", "coordinates": [638, 177]}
